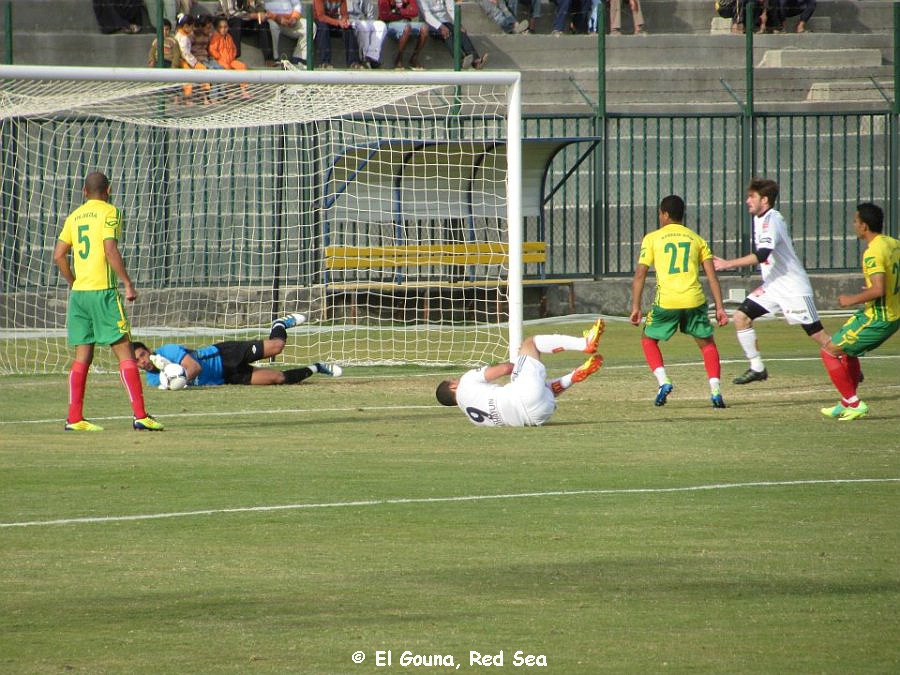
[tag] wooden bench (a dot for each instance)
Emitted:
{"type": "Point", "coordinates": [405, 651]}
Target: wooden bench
{"type": "Point", "coordinates": [402, 261]}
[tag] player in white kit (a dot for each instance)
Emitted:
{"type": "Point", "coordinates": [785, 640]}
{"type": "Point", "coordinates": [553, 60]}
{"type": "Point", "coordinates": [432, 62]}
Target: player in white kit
{"type": "Point", "coordinates": [785, 283]}
{"type": "Point", "coordinates": [528, 399]}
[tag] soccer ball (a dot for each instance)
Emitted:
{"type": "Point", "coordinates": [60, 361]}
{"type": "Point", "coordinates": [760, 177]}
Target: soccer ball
{"type": "Point", "coordinates": [172, 377]}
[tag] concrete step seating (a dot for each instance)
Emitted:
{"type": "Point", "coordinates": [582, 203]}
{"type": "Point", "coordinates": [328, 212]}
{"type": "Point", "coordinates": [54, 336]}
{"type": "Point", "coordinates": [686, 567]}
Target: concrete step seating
{"type": "Point", "coordinates": [682, 61]}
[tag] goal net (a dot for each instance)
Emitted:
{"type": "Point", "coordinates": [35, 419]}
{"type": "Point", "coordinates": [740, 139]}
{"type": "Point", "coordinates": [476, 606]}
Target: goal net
{"type": "Point", "coordinates": [384, 207]}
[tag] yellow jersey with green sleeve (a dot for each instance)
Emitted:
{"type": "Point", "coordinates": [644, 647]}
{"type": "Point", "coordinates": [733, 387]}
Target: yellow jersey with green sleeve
{"type": "Point", "coordinates": [676, 253]}
{"type": "Point", "coordinates": [882, 256]}
{"type": "Point", "coordinates": [85, 230]}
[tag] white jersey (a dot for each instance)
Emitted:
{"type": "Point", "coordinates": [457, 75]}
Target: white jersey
{"type": "Point", "coordinates": [525, 401]}
{"type": "Point", "coordinates": [783, 273]}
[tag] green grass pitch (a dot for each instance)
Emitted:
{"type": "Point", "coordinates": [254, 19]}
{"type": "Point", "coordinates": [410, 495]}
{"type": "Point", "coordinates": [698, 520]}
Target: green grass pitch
{"type": "Point", "coordinates": [296, 527]}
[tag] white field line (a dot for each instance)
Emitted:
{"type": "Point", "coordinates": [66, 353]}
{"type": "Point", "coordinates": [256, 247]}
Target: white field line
{"type": "Point", "coordinates": [444, 500]}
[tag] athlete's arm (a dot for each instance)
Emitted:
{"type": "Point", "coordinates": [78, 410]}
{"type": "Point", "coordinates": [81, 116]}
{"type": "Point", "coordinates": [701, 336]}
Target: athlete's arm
{"type": "Point", "coordinates": [191, 367]}
{"type": "Point", "coordinates": [709, 269]}
{"type": "Point", "coordinates": [873, 292]}
{"type": "Point", "coordinates": [114, 258]}
{"type": "Point", "coordinates": [497, 371]}
{"type": "Point", "coordinates": [759, 256]}
{"type": "Point", "coordinates": [637, 289]}
{"type": "Point", "coordinates": [61, 258]}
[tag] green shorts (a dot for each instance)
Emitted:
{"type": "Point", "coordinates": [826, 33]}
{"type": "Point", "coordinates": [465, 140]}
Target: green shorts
{"type": "Point", "coordinates": [662, 323]}
{"type": "Point", "coordinates": [96, 317]}
{"type": "Point", "coordinates": [861, 334]}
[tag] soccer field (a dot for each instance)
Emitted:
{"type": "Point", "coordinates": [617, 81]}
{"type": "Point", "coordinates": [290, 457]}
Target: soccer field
{"type": "Point", "coordinates": [303, 529]}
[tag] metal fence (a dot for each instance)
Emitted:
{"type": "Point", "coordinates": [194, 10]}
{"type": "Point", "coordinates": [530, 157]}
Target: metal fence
{"type": "Point", "coordinates": [602, 194]}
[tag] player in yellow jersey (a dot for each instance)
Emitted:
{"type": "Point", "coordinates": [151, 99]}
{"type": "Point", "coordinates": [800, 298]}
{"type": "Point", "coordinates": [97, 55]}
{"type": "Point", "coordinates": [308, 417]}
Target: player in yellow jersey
{"type": "Point", "coordinates": [871, 326]}
{"type": "Point", "coordinates": [95, 313]}
{"type": "Point", "coordinates": [677, 253]}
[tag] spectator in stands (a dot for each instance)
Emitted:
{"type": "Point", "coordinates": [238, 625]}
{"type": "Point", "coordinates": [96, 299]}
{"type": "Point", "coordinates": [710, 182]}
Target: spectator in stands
{"type": "Point", "coordinates": [370, 30]}
{"type": "Point", "coordinates": [184, 34]}
{"type": "Point", "coordinates": [787, 8]}
{"type": "Point", "coordinates": [332, 15]}
{"type": "Point", "coordinates": [401, 19]}
{"type": "Point", "coordinates": [500, 14]}
{"type": "Point", "coordinates": [535, 8]}
{"type": "Point", "coordinates": [569, 17]}
{"type": "Point", "coordinates": [286, 16]}
{"type": "Point", "coordinates": [171, 50]}
{"type": "Point", "coordinates": [120, 16]}
{"type": "Point", "coordinates": [203, 28]}
{"type": "Point", "coordinates": [224, 51]}
{"type": "Point", "coordinates": [615, 17]}
{"type": "Point", "coordinates": [438, 14]}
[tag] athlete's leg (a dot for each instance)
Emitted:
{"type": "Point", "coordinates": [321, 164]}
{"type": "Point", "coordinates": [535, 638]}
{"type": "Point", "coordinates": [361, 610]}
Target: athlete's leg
{"type": "Point", "coordinates": [84, 356]}
{"type": "Point", "coordinates": [131, 378]}
{"type": "Point", "coordinates": [580, 374]}
{"type": "Point", "coordinates": [713, 366]}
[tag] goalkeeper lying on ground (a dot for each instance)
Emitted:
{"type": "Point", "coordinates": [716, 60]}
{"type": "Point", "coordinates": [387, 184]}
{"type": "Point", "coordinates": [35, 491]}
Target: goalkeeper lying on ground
{"type": "Point", "coordinates": [230, 362]}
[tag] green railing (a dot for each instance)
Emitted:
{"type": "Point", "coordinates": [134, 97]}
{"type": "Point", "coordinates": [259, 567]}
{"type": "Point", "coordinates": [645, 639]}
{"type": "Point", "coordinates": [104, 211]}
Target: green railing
{"type": "Point", "coordinates": [825, 164]}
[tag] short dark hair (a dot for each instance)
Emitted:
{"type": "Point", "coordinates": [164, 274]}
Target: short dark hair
{"type": "Point", "coordinates": [764, 187]}
{"type": "Point", "coordinates": [872, 215]}
{"type": "Point", "coordinates": [674, 206]}
{"type": "Point", "coordinates": [96, 183]}
{"type": "Point", "coordinates": [139, 345]}
{"type": "Point", "coordinates": [167, 24]}
{"type": "Point", "coordinates": [445, 394]}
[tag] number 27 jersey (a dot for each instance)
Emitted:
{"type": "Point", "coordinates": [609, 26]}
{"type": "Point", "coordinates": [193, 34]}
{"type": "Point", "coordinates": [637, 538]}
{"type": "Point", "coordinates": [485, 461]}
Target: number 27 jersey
{"type": "Point", "coordinates": [676, 252]}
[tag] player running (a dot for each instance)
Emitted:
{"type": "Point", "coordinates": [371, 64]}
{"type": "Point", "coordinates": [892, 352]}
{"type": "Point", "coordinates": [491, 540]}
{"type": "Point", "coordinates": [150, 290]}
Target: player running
{"type": "Point", "coordinates": [785, 283]}
{"type": "Point", "coordinates": [871, 326]}
{"type": "Point", "coordinates": [528, 399]}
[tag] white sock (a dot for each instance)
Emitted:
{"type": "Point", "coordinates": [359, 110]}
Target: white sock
{"type": "Point", "coordinates": [565, 381]}
{"type": "Point", "coordinates": [661, 376]}
{"type": "Point", "coordinates": [747, 338]}
{"type": "Point", "coordinates": [550, 344]}
{"type": "Point", "coordinates": [714, 385]}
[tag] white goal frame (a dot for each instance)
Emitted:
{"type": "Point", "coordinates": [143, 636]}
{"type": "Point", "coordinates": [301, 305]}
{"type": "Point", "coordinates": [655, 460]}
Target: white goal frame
{"type": "Point", "coordinates": [508, 80]}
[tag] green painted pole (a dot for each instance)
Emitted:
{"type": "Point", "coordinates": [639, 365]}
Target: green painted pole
{"type": "Point", "coordinates": [7, 33]}
{"type": "Point", "coordinates": [894, 170]}
{"type": "Point", "coordinates": [159, 34]}
{"type": "Point", "coordinates": [600, 209]}
{"type": "Point", "coordinates": [310, 34]}
{"type": "Point", "coordinates": [748, 160]}
{"type": "Point", "coordinates": [457, 37]}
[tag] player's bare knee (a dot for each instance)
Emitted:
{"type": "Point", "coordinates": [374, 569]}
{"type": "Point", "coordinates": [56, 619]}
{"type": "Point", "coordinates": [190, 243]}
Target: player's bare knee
{"type": "Point", "coordinates": [741, 320]}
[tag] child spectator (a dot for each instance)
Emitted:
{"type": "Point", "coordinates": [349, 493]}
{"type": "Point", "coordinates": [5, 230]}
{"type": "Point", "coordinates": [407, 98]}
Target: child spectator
{"type": "Point", "coordinates": [184, 35]}
{"type": "Point", "coordinates": [401, 19]}
{"type": "Point", "coordinates": [171, 50]}
{"type": "Point", "coordinates": [224, 51]}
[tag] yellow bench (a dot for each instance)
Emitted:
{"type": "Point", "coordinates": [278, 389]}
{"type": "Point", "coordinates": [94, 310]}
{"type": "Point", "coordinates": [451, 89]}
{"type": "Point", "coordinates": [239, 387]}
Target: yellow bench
{"type": "Point", "coordinates": [400, 259]}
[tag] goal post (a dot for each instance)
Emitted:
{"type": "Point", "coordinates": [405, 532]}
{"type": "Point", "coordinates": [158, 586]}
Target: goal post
{"type": "Point", "coordinates": [385, 206]}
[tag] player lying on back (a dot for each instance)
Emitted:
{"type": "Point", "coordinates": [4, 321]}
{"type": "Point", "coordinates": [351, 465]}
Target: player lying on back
{"type": "Point", "coordinates": [528, 399]}
{"type": "Point", "coordinates": [229, 362]}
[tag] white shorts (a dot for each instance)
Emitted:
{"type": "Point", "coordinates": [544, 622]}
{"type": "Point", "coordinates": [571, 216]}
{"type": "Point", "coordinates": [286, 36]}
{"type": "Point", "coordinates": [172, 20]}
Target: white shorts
{"type": "Point", "coordinates": [528, 378]}
{"type": "Point", "coordinates": [797, 309]}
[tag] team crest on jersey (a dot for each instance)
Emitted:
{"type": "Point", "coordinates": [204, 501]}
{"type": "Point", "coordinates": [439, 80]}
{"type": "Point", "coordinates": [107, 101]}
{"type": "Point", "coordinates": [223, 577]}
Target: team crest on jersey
{"type": "Point", "coordinates": [869, 262]}
{"type": "Point", "coordinates": [253, 349]}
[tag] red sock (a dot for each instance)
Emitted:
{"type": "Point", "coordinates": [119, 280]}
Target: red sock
{"type": "Point", "coordinates": [131, 378]}
{"type": "Point", "coordinates": [851, 363]}
{"type": "Point", "coordinates": [711, 360]}
{"type": "Point", "coordinates": [652, 353]}
{"type": "Point", "coordinates": [839, 376]}
{"type": "Point", "coordinates": [77, 383]}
